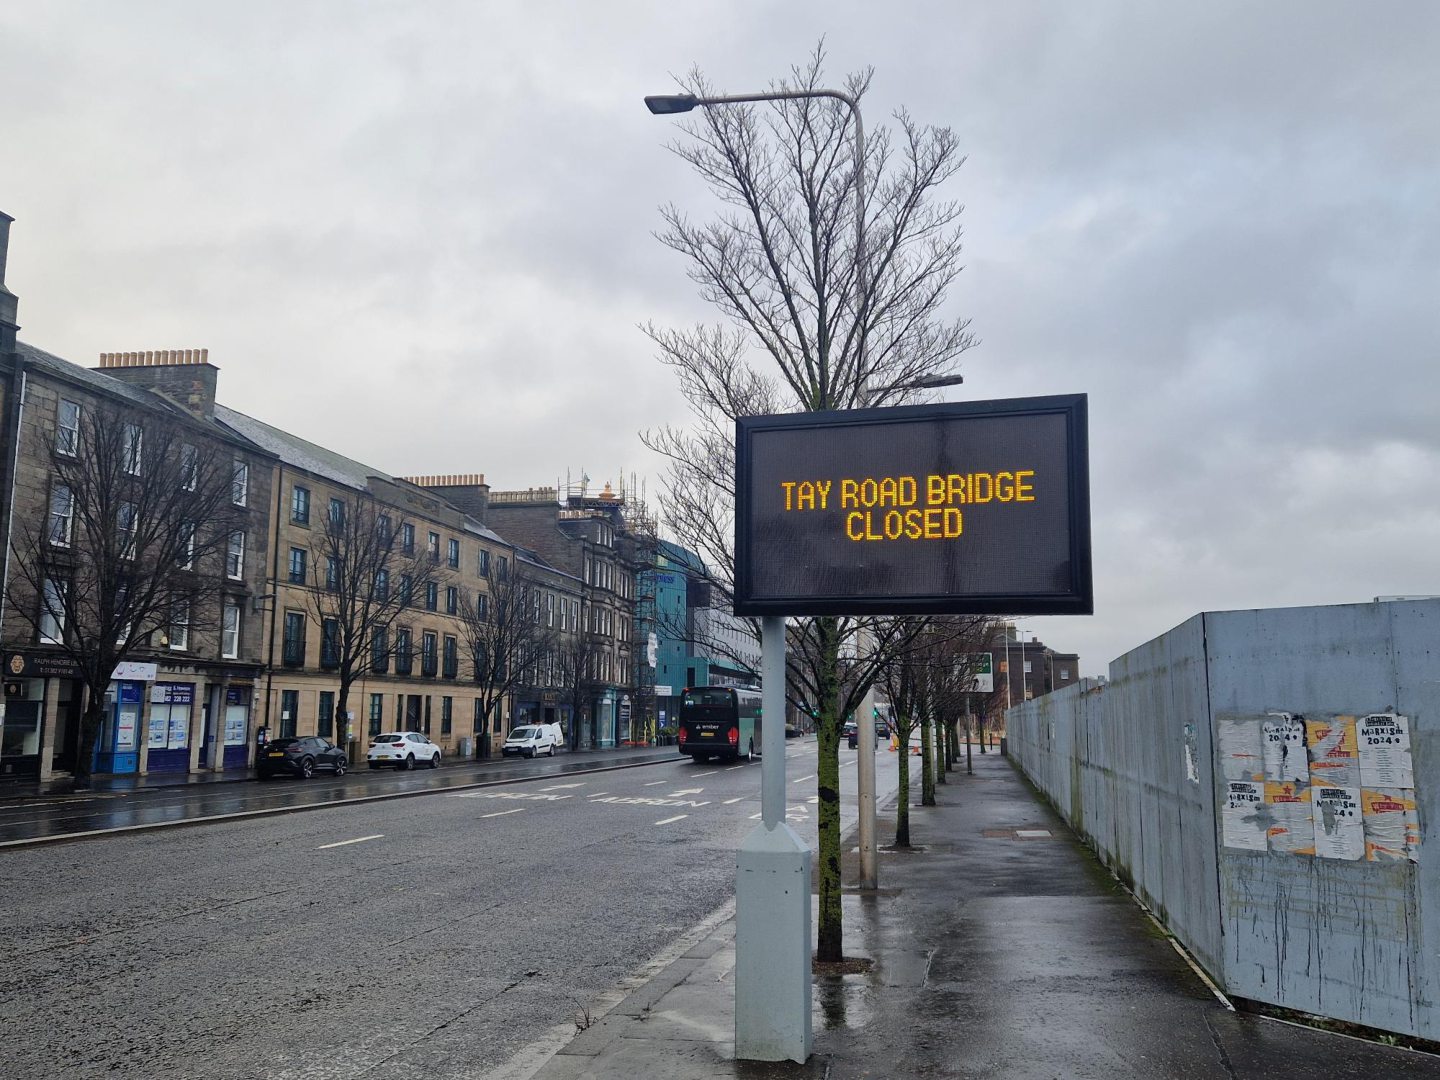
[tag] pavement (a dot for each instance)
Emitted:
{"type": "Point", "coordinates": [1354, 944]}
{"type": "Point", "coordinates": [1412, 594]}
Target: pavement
{"type": "Point", "coordinates": [997, 947]}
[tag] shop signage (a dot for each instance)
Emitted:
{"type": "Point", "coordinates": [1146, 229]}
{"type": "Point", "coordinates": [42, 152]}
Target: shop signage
{"type": "Point", "coordinates": [133, 671]}
{"type": "Point", "coordinates": [978, 507]}
{"type": "Point", "coordinates": [42, 666]}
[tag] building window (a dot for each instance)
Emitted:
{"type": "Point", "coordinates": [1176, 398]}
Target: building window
{"type": "Point", "coordinates": [329, 643]}
{"type": "Point", "coordinates": [479, 717]}
{"type": "Point", "coordinates": [407, 538]}
{"type": "Point", "coordinates": [377, 712]}
{"type": "Point", "coordinates": [332, 573]}
{"type": "Point", "coordinates": [52, 612]}
{"type": "Point", "coordinates": [406, 590]}
{"type": "Point", "coordinates": [240, 483]}
{"type": "Point", "coordinates": [382, 585]}
{"type": "Point", "coordinates": [429, 658]}
{"type": "Point", "coordinates": [549, 609]}
{"type": "Point", "coordinates": [432, 546]}
{"type": "Point", "coordinates": [326, 727]}
{"type": "Point", "coordinates": [293, 644]}
{"type": "Point", "coordinates": [446, 722]}
{"type": "Point", "coordinates": [235, 555]}
{"type": "Point", "coordinates": [482, 607]}
{"type": "Point", "coordinates": [67, 428]}
{"type": "Point", "coordinates": [62, 515]}
{"type": "Point", "coordinates": [502, 568]}
{"type": "Point", "coordinates": [289, 712]}
{"type": "Point", "coordinates": [297, 566]}
{"type": "Point", "coordinates": [454, 559]}
{"type": "Point", "coordinates": [180, 625]}
{"type": "Point", "coordinates": [1064, 674]}
{"type": "Point", "coordinates": [382, 531]}
{"type": "Point", "coordinates": [300, 505]}
{"type": "Point", "coordinates": [432, 596]}
{"type": "Point", "coordinates": [337, 512]}
{"type": "Point", "coordinates": [452, 658]}
{"type": "Point", "coordinates": [404, 656]}
{"type": "Point", "coordinates": [380, 650]}
{"type": "Point", "coordinates": [452, 600]}
{"type": "Point", "coordinates": [189, 466]}
{"type": "Point", "coordinates": [230, 631]}
{"type": "Point", "coordinates": [133, 448]}
{"type": "Point", "coordinates": [483, 563]}
{"type": "Point", "coordinates": [185, 557]}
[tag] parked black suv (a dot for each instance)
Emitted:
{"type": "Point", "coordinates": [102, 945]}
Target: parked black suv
{"type": "Point", "coordinates": [299, 757]}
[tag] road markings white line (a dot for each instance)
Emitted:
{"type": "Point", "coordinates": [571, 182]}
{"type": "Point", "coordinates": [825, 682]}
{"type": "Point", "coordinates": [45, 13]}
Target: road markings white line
{"type": "Point", "coordinates": [732, 768]}
{"type": "Point", "coordinates": [502, 813]}
{"type": "Point", "coordinates": [669, 820]}
{"type": "Point", "coordinates": [560, 787]}
{"type": "Point", "coordinates": [596, 794]}
{"type": "Point", "coordinates": [697, 775]}
{"type": "Point", "coordinates": [678, 792]}
{"type": "Point", "coordinates": [802, 779]}
{"type": "Point", "coordinates": [357, 840]}
{"type": "Point", "coordinates": [735, 800]}
{"type": "Point", "coordinates": [653, 783]}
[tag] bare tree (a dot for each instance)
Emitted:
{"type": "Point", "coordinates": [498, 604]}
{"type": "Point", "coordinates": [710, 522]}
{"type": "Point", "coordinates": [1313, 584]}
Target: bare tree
{"type": "Point", "coordinates": [504, 634]}
{"type": "Point", "coordinates": [365, 581]}
{"type": "Point", "coordinates": [799, 333]}
{"type": "Point", "coordinates": [578, 657]}
{"type": "Point", "coordinates": [130, 552]}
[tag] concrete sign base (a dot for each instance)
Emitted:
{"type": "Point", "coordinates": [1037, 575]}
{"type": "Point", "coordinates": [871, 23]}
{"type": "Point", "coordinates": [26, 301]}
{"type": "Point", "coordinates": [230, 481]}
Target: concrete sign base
{"type": "Point", "coordinates": [772, 946]}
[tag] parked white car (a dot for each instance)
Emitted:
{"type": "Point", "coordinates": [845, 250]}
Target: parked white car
{"type": "Point", "coordinates": [532, 739]}
{"type": "Point", "coordinates": [403, 749]}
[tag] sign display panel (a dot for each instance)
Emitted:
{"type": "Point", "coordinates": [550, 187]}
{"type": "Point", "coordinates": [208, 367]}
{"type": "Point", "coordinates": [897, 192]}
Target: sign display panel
{"type": "Point", "coordinates": [966, 508]}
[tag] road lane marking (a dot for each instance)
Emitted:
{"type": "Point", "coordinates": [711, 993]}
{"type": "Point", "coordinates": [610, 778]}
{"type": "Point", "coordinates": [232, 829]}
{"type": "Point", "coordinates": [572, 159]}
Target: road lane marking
{"type": "Point", "coordinates": [670, 820]}
{"type": "Point", "coordinates": [645, 800]}
{"type": "Point", "coordinates": [802, 779]}
{"type": "Point", "coordinates": [357, 840]}
{"type": "Point", "coordinates": [596, 794]}
{"type": "Point", "coordinates": [653, 783]}
{"type": "Point", "coordinates": [502, 813]}
{"type": "Point", "coordinates": [678, 792]}
{"type": "Point", "coordinates": [697, 775]}
{"type": "Point", "coordinates": [735, 800]}
{"type": "Point", "coordinates": [526, 796]}
{"type": "Point", "coordinates": [732, 768]}
{"type": "Point", "coordinates": [560, 787]}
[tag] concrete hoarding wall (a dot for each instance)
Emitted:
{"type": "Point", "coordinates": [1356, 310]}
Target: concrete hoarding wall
{"type": "Point", "coordinates": [1136, 766]}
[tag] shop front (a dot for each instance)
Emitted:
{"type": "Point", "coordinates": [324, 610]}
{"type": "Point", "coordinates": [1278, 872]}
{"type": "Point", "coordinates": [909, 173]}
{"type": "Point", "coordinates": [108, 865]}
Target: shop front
{"type": "Point", "coordinates": [41, 725]}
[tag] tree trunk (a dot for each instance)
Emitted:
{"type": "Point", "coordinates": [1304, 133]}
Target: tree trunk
{"type": "Point", "coordinates": [940, 749]}
{"type": "Point", "coordinates": [927, 763]}
{"type": "Point", "coordinates": [902, 808]}
{"type": "Point", "coordinates": [90, 721]}
{"type": "Point", "coordinates": [830, 918]}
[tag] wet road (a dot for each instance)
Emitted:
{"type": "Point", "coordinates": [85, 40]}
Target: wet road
{"type": "Point", "coordinates": [430, 936]}
{"type": "Point", "coordinates": [131, 803]}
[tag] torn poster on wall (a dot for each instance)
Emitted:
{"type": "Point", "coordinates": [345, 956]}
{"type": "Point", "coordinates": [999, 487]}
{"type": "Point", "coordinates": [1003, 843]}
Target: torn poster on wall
{"type": "Point", "coordinates": [1392, 829]}
{"type": "Point", "coordinates": [1290, 831]}
{"type": "Point", "coordinates": [1283, 746]}
{"type": "Point", "coordinates": [1240, 756]}
{"type": "Point", "coordinates": [1385, 751]}
{"type": "Point", "coordinates": [1339, 830]}
{"type": "Point", "coordinates": [1338, 787]}
{"type": "Point", "coordinates": [1243, 820]}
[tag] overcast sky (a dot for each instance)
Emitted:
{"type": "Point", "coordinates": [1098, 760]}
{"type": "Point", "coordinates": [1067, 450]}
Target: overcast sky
{"type": "Point", "coordinates": [421, 234]}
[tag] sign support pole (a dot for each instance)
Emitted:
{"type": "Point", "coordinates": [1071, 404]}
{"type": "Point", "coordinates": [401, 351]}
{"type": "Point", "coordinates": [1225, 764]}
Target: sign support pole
{"type": "Point", "coordinates": [772, 894]}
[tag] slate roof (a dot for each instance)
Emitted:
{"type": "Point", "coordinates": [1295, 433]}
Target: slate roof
{"type": "Point", "coordinates": [301, 453]}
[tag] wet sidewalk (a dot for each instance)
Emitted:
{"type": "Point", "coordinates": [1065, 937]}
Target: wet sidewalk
{"type": "Point", "coordinates": [1000, 949]}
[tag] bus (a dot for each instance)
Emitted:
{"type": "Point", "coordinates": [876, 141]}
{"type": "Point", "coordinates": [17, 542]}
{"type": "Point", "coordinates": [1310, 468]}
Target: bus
{"type": "Point", "coordinates": [718, 721]}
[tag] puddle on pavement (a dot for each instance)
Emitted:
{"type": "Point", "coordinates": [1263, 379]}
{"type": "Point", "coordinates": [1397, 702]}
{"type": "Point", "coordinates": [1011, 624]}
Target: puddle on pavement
{"type": "Point", "coordinates": [842, 1001]}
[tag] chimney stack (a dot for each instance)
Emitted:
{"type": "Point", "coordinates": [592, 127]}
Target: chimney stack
{"type": "Point", "coordinates": [9, 304]}
{"type": "Point", "coordinates": [185, 376]}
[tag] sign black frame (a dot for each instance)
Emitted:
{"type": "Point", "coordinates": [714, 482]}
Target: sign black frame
{"type": "Point", "coordinates": [1078, 600]}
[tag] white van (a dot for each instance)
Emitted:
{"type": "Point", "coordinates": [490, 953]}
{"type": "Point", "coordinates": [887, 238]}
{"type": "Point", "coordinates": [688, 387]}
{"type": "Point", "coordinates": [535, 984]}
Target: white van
{"type": "Point", "coordinates": [532, 739]}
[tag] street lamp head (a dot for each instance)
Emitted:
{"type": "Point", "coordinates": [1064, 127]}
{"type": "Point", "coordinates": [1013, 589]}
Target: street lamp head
{"type": "Point", "coordinates": [664, 104]}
